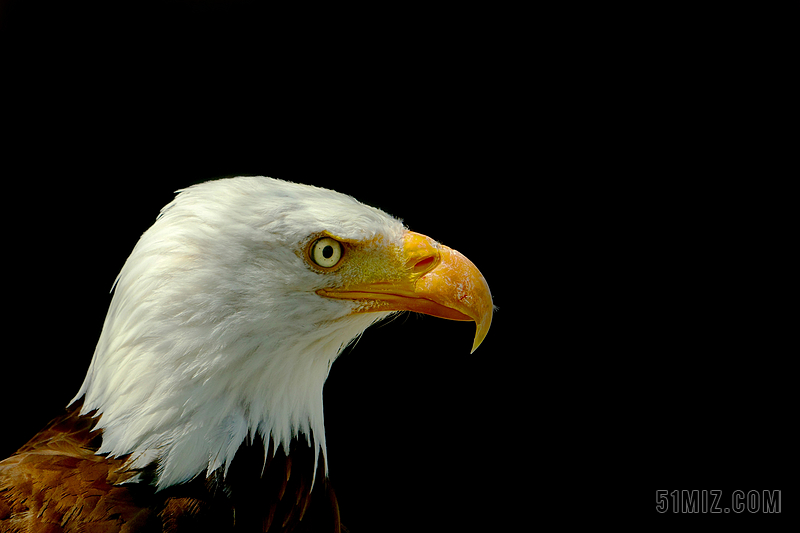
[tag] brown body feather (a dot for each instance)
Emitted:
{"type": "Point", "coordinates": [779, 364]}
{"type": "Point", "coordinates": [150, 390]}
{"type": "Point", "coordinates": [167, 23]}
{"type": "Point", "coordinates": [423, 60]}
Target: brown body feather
{"type": "Point", "coordinates": [56, 483]}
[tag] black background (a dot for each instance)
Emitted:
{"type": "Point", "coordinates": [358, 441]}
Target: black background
{"type": "Point", "coordinates": [616, 188]}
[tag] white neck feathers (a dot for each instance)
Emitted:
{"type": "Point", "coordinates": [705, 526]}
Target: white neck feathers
{"type": "Point", "coordinates": [215, 334]}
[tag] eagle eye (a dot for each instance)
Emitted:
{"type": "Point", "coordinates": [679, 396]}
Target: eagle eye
{"type": "Point", "coordinates": [326, 252]}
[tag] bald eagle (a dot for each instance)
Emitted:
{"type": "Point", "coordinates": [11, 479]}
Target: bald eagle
{"type": "Point", "coordinates": [202, 409]}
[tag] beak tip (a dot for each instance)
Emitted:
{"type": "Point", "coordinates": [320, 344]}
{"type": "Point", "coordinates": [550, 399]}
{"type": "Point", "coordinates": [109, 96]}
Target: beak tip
{"type": "Point", "coordinates": [481, 330]}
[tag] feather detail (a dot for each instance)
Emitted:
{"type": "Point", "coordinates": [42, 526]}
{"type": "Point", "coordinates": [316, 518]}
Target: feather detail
{"type": "Point", "coordinates": [58, 478]}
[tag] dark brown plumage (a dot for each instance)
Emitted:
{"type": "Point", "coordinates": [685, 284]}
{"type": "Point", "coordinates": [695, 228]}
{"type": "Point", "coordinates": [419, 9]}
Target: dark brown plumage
{"type": "Point", "coordinates": [56, 483]}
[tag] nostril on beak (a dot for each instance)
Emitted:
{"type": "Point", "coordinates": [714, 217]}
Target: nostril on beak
{"type": "Point", "coordinates": [422, 253]}
{"type": "Point", "coordinates": [424, 264]}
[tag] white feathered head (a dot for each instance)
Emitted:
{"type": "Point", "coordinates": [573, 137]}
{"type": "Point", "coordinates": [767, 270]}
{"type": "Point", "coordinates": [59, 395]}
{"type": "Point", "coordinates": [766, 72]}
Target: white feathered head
{"type": "Point", "coordinates": [231, 308]}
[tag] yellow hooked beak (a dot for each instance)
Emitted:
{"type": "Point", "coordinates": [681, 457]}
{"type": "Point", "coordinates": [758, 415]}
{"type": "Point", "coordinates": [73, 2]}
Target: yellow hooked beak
{"type": "Point", "coordinates": [426, 278]}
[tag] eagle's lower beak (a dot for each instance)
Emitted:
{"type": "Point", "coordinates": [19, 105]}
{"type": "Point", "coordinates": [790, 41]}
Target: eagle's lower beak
{"type": "Point", "coordinates": [434, 280]}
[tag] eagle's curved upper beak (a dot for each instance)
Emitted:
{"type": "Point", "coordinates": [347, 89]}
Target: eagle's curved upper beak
{"type": "Point", "coordinates": [432, 279]}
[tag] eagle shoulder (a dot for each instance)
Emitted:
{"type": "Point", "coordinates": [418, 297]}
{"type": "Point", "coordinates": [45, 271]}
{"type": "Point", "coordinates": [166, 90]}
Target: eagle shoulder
{"type": "Point", "coordinates": [57, 483]}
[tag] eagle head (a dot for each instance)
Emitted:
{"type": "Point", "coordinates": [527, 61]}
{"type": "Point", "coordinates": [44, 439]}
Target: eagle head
{"type": "Point", "coordinates": [231, 308]}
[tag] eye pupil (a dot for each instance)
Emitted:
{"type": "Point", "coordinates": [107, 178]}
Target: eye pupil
{"type": "Point", "coordinates": [326, 252]}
